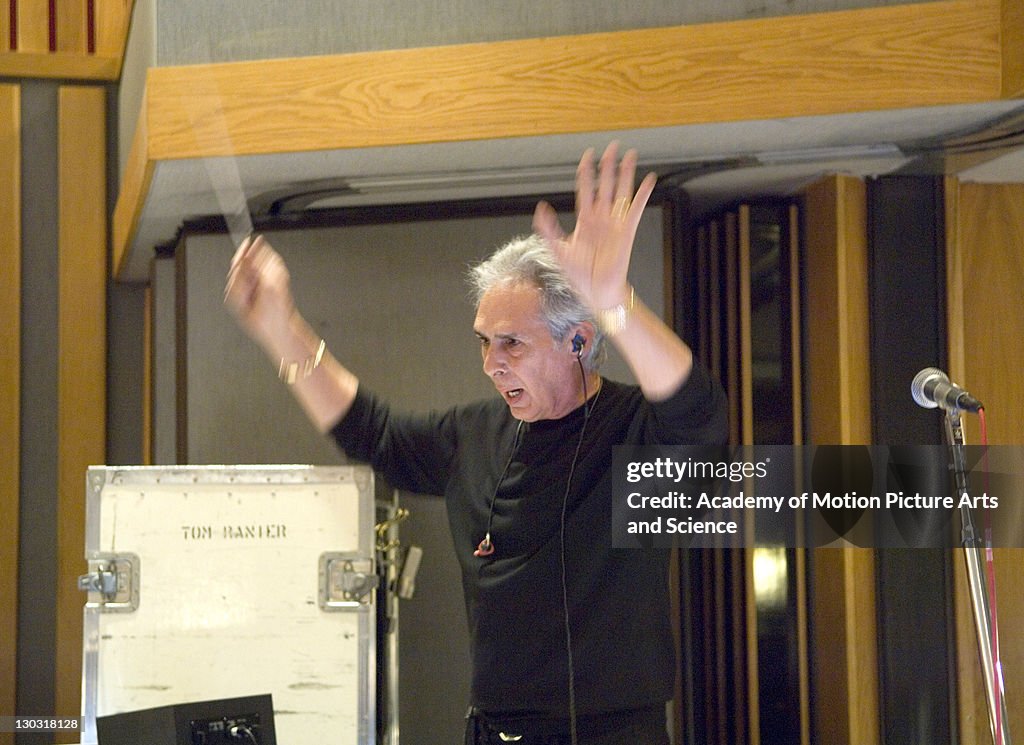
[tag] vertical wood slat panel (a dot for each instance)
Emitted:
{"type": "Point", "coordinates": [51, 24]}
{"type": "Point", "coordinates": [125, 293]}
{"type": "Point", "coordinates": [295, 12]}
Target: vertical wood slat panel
{"type": "Point", "coordinates": [795, 330]}
{"type": "Point", "coordinates": [112, 20]}
{"type": "Point", "coordinates": [1012, 37]}
{"type": "Point", "coordinates": [732, 363]}
{"type": "Point", "coordinates": [722, 673]}
{"type": "Point", "coordinates": [985, 229]}
{"type": "Point", "coordinates": [844, 643]}
{"type": "Point", "coordinates": [744, 601]}
{"type": "Point", "coordinates": [81, 354]}
{"type": "Point", "coordinates": [33, 25]}
{"type": "Point", "coordinates": [837, 331]}
{"type": "Point", "coordinates": [745, 341]}
{"type": "Point", "coordinates": [800, 554]}
{"type": "Point", "coordinates": [72, 21]}
{"type": "Point", "coordinates": [10, 383]}
{"type": "Point", "coordinates": [5, 26]}
{"type": "Point", "coordinates": [703, 337]}
{"type": "Point", "coordinates": [715, 328]}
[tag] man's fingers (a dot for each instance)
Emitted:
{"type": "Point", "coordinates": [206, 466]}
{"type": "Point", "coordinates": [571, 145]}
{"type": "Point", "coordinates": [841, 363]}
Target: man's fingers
{"type": "Point", "coordinates": [585, 183]}
{"type": "Point", "coordinates": [545, 223]}
{"type": "Point", "coordinates": [606, 189]}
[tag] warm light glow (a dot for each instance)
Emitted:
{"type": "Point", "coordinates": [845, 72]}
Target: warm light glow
{"type": "Point", "coordinates": [770, 576]}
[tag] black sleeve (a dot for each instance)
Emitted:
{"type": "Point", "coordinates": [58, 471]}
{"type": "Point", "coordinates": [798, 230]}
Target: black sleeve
{"type": "Point", "coordinates": [413, 452]}
{"type": "Point", "coordinates": [696, 414]}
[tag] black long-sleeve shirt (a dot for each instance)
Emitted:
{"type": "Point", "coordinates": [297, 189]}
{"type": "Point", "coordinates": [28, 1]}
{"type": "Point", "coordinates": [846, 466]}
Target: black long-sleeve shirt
{"type": "Point", "coordinates": [623, 655]}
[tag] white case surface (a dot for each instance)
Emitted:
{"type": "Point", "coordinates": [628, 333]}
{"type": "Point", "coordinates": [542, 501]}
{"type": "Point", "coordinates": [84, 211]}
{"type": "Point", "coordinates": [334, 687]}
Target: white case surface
{"type": "Point", "coordinates": [230, 600]}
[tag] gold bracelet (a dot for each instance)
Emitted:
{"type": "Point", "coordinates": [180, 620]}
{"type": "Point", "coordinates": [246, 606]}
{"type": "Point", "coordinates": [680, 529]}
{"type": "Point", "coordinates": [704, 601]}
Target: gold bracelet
{"type": "Point", "coordinates": [289, 372]}
{"type": "Point", "coordinates": [612, 320]}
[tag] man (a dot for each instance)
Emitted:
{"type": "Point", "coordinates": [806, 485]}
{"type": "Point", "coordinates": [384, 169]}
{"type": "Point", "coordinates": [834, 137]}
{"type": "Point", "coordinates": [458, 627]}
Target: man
{"type": "Point", "coordinates": [570, 638]}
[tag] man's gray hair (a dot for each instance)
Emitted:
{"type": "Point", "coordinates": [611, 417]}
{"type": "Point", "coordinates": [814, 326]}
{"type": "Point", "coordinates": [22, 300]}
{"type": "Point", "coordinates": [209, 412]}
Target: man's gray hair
{"type": "Point", "coordinates": [527, 259]}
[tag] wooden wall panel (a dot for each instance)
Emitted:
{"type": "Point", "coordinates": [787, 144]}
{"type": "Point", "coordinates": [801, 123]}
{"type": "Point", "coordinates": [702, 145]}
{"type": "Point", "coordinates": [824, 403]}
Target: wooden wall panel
{"type": "Point", "coordinates": [985, 269]}
{"type": "Point", "coordinates": [112, 19]}
{"type": "Point", "coordinates": [746, 360]}
{"type": "Point", "coordinates": [843, 642]}
{"type": "Point", "coordinates": [838, 382]}
{"type": "Point", "coordinates": [72, 21]}
{"type": "Point", "coordinates": [33, 25]}
{"type": "Point", "coordinates": [731, 306]}
{"type": "Point", "coordinates": [81, 355]}
{"type": "Point", "coordinates": [1012, 37]}
{"type": "Point", "coordinates": [10, 383]}
{"type": "Point", "coordinates": [5, 27]}
{"type": "Point", "coordinates": [77, 51]}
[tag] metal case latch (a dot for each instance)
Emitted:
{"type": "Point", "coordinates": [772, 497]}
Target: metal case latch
{"type": "Point", "coordinates": [112, 583]}
{"type": "Point", "coordinates": [346, 581]}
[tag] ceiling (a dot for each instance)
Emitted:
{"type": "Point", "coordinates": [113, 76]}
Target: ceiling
{"type": "Point", "coordinates": [715, 163]}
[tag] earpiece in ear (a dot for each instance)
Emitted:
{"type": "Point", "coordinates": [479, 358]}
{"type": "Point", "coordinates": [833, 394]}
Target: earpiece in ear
{"type": "Point", "coordinates": [577, 345]}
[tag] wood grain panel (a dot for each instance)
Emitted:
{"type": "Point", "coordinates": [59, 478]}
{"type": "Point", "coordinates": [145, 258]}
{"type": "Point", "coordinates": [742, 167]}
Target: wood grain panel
{"type": "Point", "coordinates": [795, 330]}
{"type": "Point", "coordinates": [717, 290]}
{"type": "Point", "coordinates": [703, 336]}
{"type": "Point", "coordinates": [5, 27]}
{"type": "Point", "coordinates": [843, 643]}
{"type": "Point", "coordinates": [826, 63]}
{"type": "Point", "coordinates": [112, 19]}
{"type": "Point", "coordinates": [991, 236]}
{"type": "Point", "coordinates": [1012, 28]}
{"type": "Point", "coordinates": [81, 356]}
{"type": "Point", "coordinates": [745, 341]}
{"type": "Point", "coordinates": [72, 20]}
{"type": "Point", "coordinates": [985, 269]}
{"type": "Point", "coordinates": [845, 647]}
{"type": "Point", "coordinates": [732, 327]}
{"type": "Point", "coordinates": [10, 382]}
{"type": "Point", "coordinates": [837, 295]}
{"type": "Point", "coordinates": [33, 22]}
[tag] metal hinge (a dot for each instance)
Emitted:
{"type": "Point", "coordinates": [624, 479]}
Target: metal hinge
{"type": "Point", "coordinates": [347, 581]}
{"type": "Point", "coordinates": [112, 582]}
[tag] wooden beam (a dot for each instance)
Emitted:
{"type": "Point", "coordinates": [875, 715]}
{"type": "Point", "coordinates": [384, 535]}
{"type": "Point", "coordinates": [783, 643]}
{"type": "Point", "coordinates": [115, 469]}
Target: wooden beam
{"type": "Point", "coordinates": [10, 383]}
{"type": "Point", "coordinates": [827, 63]}
{"type": "Point", "coordinates": [135, 181]}
{"type": "Point", "coordinates": [81, 357]}
{"type": "Point", "coordinates": [59, 66]}
{"type": "Point", "coordinates": [922, 54]}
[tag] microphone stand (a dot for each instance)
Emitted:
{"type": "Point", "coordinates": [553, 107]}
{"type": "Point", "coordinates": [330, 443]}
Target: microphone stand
{"type": "Point", "coordinates": [980, 602]}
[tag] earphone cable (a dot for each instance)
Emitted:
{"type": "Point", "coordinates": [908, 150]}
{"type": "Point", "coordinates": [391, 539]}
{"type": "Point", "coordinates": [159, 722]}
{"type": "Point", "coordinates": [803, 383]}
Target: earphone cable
{"type": "Point", "coordinates": [588, 407]}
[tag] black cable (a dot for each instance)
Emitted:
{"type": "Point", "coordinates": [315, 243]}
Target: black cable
{"type": "Point", "coordinates": [486, 546]}
{"type": "Point", "coordinates": [243, 731]}
{"type": "Point", "coordinates": [588, 407]}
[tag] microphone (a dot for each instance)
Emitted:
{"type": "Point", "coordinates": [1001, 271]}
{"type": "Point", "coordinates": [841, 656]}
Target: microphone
{"type": "Point", "coordinates": [932, 388]}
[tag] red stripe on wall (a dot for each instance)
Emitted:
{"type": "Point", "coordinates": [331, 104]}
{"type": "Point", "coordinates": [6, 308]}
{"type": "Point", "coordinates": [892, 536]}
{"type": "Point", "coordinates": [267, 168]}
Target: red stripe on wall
{"type": "Point", "coordinates": [90, 20]}
{"type": "Point", "coordinates": [52, 13]}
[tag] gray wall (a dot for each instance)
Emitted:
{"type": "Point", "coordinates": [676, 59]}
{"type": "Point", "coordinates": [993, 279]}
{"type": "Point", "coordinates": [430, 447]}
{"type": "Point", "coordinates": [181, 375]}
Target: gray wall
{"type": "Point", "coordinates": [392, 303]}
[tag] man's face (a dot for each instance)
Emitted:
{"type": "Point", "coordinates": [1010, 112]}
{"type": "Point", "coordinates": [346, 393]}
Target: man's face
{"type": "Point", "coordinates": [536, 375]}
